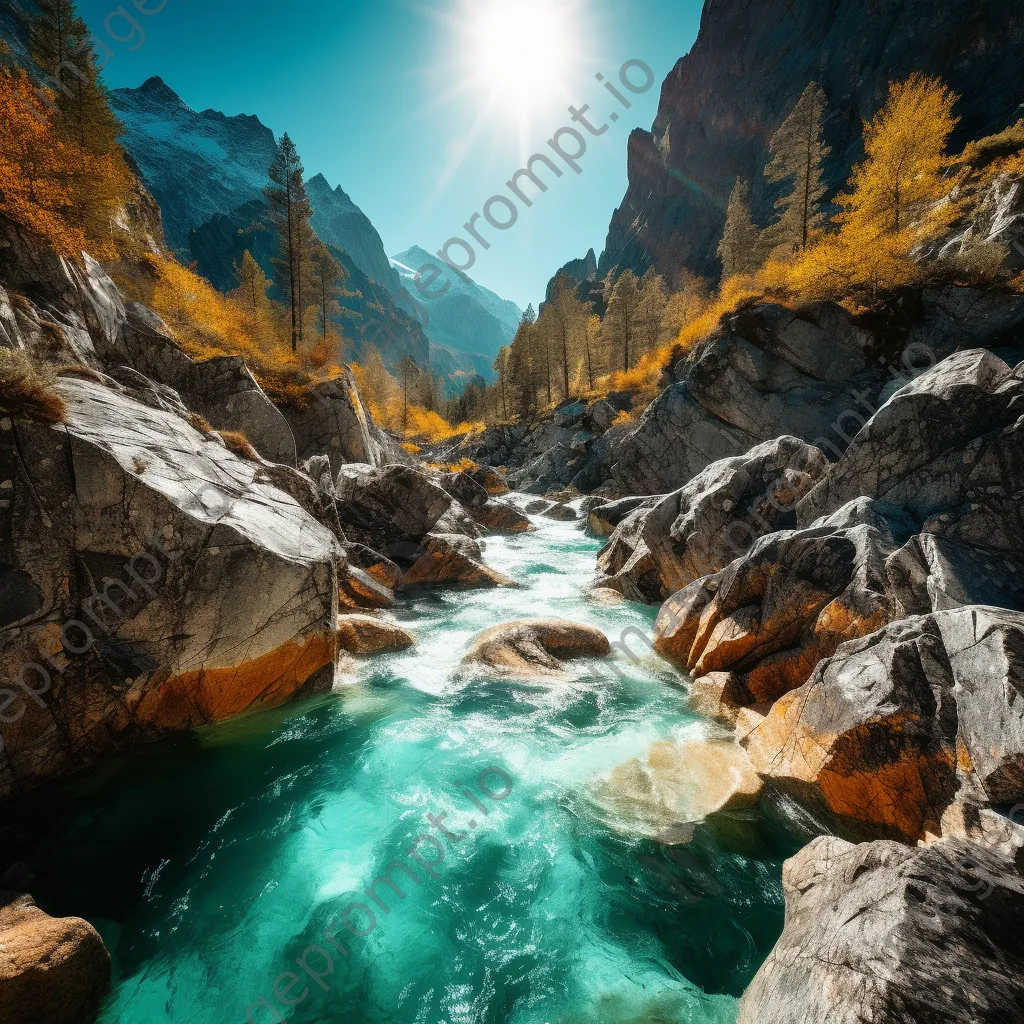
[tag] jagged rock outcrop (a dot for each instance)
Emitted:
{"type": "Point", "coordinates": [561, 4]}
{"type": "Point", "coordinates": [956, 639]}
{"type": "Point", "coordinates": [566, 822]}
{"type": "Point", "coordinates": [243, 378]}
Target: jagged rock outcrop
{"type": "Point", "coordinates": [663, 547]}
{"type": "Point", "coordinates": [390, 509]}
{"type": "Point", "coordinates": [539, 647]}
{"type": "Point", "coordinates": [155, 582]}
{"type": "Point", "coordinates": [52, 970]}
{"type": "Point", "coordinates": [334, 422]}
{"type": "Point", "coordinates": [891, 934]}
{"type": "Point", "coordinates": [897, 727]}
{"type": "Point", "coordinates": [945, 444]}
{"type": "Point", "coordinates": [757, 629]}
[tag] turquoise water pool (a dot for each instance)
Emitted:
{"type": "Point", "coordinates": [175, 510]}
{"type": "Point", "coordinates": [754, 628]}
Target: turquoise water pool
{"type": "Point", "coordinates": [214, 864]}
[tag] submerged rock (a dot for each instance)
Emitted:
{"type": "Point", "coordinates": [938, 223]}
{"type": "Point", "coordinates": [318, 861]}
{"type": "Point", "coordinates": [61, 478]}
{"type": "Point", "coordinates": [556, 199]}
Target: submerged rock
{"type": "Point", "coordinates": [885, 933]}
{"type": "Point", "coordinates": [52, 970]}
{"type": "Point", "coordinates": [681, 784]}
{"type": "Point", "coordinates": [537, 647]}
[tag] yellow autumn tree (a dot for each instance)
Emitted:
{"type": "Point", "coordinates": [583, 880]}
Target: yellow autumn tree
{"type": "Point", "coordinates": [49, 182]}
{"type": "Point", "coordinates": [898, 198]}
{"type": "Point", "coordinates": [34, 162]}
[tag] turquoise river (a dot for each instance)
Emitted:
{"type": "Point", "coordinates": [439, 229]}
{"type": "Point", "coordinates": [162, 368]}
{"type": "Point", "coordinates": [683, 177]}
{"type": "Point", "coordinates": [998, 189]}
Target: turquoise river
{"type": "Point", "coordinates": [212, 863]}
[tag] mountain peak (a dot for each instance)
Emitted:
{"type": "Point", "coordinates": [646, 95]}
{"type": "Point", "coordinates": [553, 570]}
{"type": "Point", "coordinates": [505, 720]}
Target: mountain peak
{"type": "Point", "coordinates": [156, 88]}
{"type": "Point", "coordinates": [320, 182]}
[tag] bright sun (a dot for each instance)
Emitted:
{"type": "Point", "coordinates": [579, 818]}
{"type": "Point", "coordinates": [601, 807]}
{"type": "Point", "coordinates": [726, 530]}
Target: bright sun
{"type": "Point", "coordinates": [520, 49]}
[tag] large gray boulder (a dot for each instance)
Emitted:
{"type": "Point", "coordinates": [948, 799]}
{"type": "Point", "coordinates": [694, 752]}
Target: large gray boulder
{"type": "Point", "coordinates": [714, 519]}
{"type": "Point", "coordinates": [221, 389]}
{"type": "Point", "coordinates": [334, 422]}
{"type": "Point", "coordinates": [889, 934]}
{"type": "Point", "coordinates": [153, 581]}
{"type": "Point", "coordinates": [899, 726]}
{"type": "Point", "coordinates": [947, 443]}
{"type": "Point", "coordinates": [766, 372]}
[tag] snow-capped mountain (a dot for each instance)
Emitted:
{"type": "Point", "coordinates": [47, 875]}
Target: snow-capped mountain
{"type": "Point", "coordinates": [196, 164]}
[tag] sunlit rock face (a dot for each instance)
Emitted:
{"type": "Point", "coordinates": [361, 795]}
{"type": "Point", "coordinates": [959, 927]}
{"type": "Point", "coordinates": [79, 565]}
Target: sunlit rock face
{"type": "Point", "coordinates": [537, 648]}
{"type": "Point", "coordinates": [156, 582]}
{"type": "Point", "coordinates": [712, 127]}
{"type": "Point", "coordinates": [664, 546]}
{"type": "Point", "coordinates": [897, 727]}
{"type": "Point", "coordinates": [883, 932]}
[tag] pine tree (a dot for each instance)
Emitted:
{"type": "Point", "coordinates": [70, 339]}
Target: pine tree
{"type": "Point", "coordinates": [798, 153]}
{"type": "Point", "coordinates": [651, 310]}
{"type": "Point", "coordinates": [739, 249]}
{"type": "Point", "coordinates": [290, 212]}
{"type": "Point", "coordinates": [620, 318]}
{"type": "Point", "coordinates": [252, 283]}
{"type": "Point", "coordinates": [566, 319]}
{"type": "Point", "coordinates": [60, 45]}
{"type": "Point", "coordinates": [501, 366]}
{"type": "Point", "coordinates": [408, 375]}
{"type": "Point", "coordinates": [327, 285]}
{"type": "Point", "coordinates": [684, 305]}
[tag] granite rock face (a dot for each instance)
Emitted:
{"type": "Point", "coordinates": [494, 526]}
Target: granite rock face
{"type": "Point", "coordinates": [156, 582]}
{"type": "Point", "coordinates": [755, 630]}
{"type": "Point", "coordinates": [663, 547]}
{"type": "Point", "coordinates": [898, 726]}
{"type": "Point", "coordinates": [885, 933]}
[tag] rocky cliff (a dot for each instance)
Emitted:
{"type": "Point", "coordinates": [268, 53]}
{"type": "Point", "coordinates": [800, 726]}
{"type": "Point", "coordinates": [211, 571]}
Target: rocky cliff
{"type": "Point", "coordinates": [722, 103]}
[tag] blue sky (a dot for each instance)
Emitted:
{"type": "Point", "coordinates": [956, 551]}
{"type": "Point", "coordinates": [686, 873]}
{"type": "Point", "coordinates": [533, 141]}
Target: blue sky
{"type": "Point", "coordinates": [414, 106]}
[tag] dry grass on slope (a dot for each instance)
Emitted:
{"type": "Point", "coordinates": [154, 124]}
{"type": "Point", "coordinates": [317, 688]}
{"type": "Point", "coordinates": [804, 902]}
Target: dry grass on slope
{"type": "Point", "coordinates": [27, 388]}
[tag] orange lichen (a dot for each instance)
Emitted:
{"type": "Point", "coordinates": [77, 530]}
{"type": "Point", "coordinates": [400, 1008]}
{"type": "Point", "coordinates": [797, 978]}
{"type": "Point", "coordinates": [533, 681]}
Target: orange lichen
{"type": "Point", "coordinates": [210, 695]}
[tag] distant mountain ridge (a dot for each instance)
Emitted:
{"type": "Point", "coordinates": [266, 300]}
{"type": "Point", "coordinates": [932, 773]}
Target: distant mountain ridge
{"type": "Point", "coordinates": [208, 171]}
{"type": "Point", "coordinates": [468, 317]}
{"type": "Point", "coordinates": [196, 164]}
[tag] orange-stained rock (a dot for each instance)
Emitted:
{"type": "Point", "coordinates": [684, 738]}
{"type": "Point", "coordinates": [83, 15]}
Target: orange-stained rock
{"type": "Point", "coordinates": [52, 970]}
{"type": "Point", "coordinates": [500, 517]}
{"type": "Point", "coordinates": [358, 588]}
{"type": "Point", "coordinates": [769, 618]}
{"type": "Point", "coordinates": [453, 561]}
{"type": "Point", "coordinates": [364, 634]}
{"type": "Point", "coordinates": [493, 481]}
{"type": "Point", "coordinates": [195, 587]}
{"type": "Point", "coordinates": [871, 738]}
{"type": "Point", "coordinates": [536, 647]}
{"type": "Point", "coordinates": [215, 694]}
{"type": "Point", "coordinates": [680, 784]}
